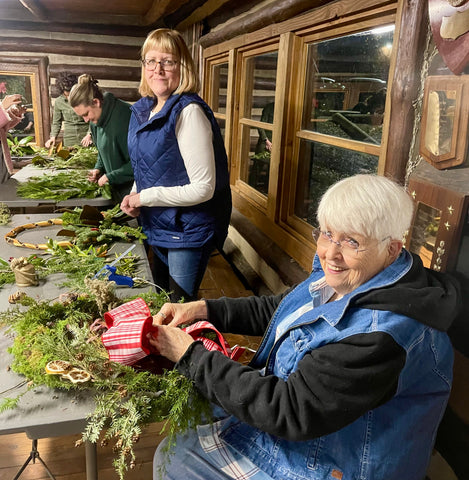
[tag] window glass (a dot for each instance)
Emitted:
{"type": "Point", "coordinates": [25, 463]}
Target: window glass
{"type": "Point", "coordinates": [219, 83]}
{"type": "Point", "coordinates": [221, 123]}
{"type": "Point", "coordinates": [257, 160]}
{"type": "Point", "coordinates": [346, 85]}
{"type": "Point", "coordinates": [320, 165]}
{"type": "Point", "coordinates": [261, 73]}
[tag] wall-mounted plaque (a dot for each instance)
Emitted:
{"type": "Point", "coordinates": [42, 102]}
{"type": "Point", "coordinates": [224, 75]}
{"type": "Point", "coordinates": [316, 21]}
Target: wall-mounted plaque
{"type": "Point", "coordinates": [444, 131]}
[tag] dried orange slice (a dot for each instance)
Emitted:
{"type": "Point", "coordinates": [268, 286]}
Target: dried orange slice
{"type": "Point", "coordinates": [58, 367]}
{"type": "Point", "coordinates": [75, 375]}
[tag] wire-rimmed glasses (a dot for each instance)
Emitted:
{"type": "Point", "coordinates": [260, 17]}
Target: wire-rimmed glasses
{"type": "Point", "coordinates": [348, 245]}
{"type": "Point", "coordinates": [166, 64]}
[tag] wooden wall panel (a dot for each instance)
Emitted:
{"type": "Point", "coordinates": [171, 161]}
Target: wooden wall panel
{"type": "Point", "coordinates": [112, 60]}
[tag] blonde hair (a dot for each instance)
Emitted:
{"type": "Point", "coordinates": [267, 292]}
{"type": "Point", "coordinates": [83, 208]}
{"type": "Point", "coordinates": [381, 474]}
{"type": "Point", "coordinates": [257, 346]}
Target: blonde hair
{"type": "Point", "coordinates": [170, 41]}
{"type": "Point", "coordinates": [83, 92]}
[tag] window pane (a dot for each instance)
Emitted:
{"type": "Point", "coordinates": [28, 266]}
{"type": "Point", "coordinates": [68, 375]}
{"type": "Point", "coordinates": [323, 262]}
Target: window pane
{"type": "Point", "coordinates": [219, 83]}
{"type": "Point", "coordinates": [261, 72]}
{"type": "Point", "coordinates": [221, 123]}
{"type": "Point", "coordinates": [256, 158]}
{"type": "Point", "coordinates": [321, 165]}
{"type": "Point", "coordinates": [346, 85]}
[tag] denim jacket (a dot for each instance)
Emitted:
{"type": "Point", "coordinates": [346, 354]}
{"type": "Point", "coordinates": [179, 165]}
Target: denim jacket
{"type": "Point", "coordinates": [391, 442]}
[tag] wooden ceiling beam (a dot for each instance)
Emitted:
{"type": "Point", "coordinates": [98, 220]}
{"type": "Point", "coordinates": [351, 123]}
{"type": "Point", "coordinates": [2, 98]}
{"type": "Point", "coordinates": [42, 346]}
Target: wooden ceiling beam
{"type": "Point", "coordinates": [201, 13]}
{"type": "Point", "coordinates": [173, 19]}
{"type": "Point", "coordinates": [36, 9]}
{"type": "Point", "coordinates": [159, 9]}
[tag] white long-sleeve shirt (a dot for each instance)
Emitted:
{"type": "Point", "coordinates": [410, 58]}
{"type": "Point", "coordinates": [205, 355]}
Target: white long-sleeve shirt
{"type": "Point", "coordinates": [194, 136]}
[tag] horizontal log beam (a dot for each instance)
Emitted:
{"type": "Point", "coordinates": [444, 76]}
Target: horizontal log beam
{"type": "Point", "coordinates": [75, 48]}
{"type": "Point", "coordinates": [95, 29]}
{"type": "Point", "coordinates": [100, 72]}
{"type": "Point", "coordinates": [257, 19]}
{"type": "Point", "coordinates": [126, 94]}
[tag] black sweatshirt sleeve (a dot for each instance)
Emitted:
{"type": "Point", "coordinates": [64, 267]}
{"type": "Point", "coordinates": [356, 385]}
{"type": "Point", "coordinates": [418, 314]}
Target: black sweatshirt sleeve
{"type": "Point", "coordinates": [333, 385]}
{"type": "Point", "coordinates": [244, 315]}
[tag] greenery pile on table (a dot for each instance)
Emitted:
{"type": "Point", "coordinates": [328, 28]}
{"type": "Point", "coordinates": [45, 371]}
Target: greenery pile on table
{"type": "Point", "coordinates": [103, 228]}
{"type": "Point", "coordinates": [62, 186]}
{"type": "Point", "coordinates": [61, 330]}
{"type": "Point", "coordinates": [19, 147]}
{"type": "Point", "coordinates": [69, 179]}
{"type": "Point", "coordinates": [66, 158]}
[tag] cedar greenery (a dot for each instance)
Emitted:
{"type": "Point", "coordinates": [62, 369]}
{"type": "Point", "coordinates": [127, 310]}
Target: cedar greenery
{"type": "Point", "coordinates": [126, 399]}
{"type": "Point", "coordinates": [107, 231]}
{"type": "Point", "coordinates": [62, 186]}
{"type": "Point", "coordinates": [5, 214]}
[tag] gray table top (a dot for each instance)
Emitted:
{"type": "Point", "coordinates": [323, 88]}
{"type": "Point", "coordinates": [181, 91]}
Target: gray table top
{"type": "Point", "coordinates": [9, 197]}
{"type": "Point", "coordinates": [43, 412]}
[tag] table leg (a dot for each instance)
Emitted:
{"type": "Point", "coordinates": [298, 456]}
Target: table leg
{"type": "Point", "coordinates": [91, 461]}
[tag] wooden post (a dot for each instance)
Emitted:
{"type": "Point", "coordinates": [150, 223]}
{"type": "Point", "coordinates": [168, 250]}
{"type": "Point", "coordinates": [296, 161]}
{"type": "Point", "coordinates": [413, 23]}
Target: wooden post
{"type": "Point", "coordinates": [411, 28]}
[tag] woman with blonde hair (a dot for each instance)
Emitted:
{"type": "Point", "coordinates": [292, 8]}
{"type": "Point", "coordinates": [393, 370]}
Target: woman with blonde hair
{"type": "Point", "coordinates": [181, 191]}
{"type": "Point", "coordinates": [109, 118]}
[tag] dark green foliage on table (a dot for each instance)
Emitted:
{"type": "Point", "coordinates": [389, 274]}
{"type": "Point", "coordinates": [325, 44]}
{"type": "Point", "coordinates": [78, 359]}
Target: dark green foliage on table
{"type": "Point", "coordinates": [6, 274]}
{"type": "Point", "coordinates": [105, 231]}
{"type": "Point", "coordinates": [19, 147]}
{"type": "Point", "coordinates": [73, 157]}
{"type": "Point", "coordinates": [62, 186]}
{"type": "Point", "coordinates": [5, 214]}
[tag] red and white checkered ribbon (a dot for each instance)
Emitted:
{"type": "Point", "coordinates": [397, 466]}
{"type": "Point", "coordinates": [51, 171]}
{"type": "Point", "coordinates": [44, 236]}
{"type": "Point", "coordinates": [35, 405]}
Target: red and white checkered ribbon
{"type": "Point", "coordinates": [126, 338]}
{"type": "Point", "coordinates": [197, 330]}
{"type": "Point", "coordinates": [128, 325]}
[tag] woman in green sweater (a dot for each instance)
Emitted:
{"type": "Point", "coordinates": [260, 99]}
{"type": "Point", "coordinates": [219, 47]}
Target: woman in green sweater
{"type": "Point", "coordinates": [109, 118]}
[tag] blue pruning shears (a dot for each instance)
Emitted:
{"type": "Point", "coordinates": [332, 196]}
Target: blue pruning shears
{"type": "Point", "coordinates": [110, 271]}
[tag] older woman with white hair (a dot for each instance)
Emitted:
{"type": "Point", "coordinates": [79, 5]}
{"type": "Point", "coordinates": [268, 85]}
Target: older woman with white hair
{"type": "Point", "coordinates": [354, 371]}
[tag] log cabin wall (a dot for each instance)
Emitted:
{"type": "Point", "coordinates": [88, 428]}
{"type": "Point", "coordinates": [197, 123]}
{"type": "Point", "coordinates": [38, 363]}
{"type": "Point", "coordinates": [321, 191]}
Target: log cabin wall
{"type": "Point", "coordinates": [113, 60]}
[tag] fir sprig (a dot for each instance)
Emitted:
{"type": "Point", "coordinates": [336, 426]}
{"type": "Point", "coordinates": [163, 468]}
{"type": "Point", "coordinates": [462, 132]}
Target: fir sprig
{"type": "Point", "coordinates": [6, 274]}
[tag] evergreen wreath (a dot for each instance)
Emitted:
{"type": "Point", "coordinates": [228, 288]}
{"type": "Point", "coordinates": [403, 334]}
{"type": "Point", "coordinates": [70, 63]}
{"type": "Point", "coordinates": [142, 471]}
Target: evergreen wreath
{"type": "Point", "coordinates": [126, 398]}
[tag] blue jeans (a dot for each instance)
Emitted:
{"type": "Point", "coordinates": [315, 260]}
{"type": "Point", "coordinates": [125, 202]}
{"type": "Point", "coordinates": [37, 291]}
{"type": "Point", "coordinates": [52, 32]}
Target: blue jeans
{"type": "Point", "coordinates": [181, 270]}
{"type": "Point", "coordinates": [188, 461]}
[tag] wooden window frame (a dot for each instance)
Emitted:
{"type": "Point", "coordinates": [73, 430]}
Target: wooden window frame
{"type": "Point", "coordinates": [272, 214]}
{"type": "Point", "coordinates": [210, 95]}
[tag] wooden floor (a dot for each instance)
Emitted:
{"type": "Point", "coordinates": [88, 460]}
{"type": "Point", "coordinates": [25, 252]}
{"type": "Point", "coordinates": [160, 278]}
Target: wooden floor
{"type": "Point", "coordinates": [66, 461]}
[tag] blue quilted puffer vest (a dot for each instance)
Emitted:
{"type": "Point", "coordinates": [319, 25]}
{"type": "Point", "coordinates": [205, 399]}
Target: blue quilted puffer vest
{"type": "Point", "coordinates": [156, 161]}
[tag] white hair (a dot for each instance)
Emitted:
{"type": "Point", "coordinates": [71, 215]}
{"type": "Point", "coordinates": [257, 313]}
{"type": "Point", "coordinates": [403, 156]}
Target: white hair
{"type": "Point", "coordinates": [369, 205]}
